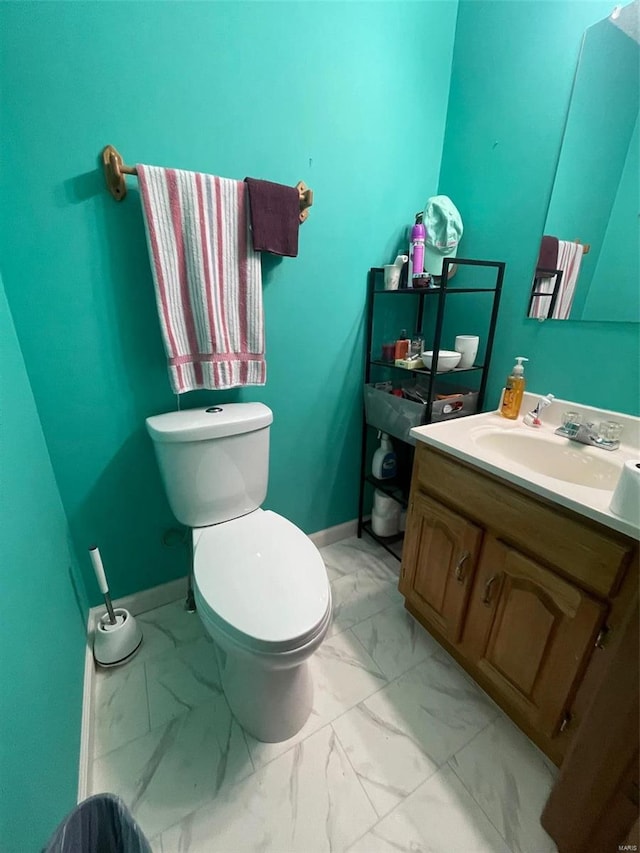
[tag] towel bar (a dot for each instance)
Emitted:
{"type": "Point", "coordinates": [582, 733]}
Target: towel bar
{"type": "Point", "coordinates": [115, 170]}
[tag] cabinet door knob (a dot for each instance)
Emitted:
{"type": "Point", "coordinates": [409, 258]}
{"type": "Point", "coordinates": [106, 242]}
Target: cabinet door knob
{"type": "Point", "coordinates": [486, 598]}
{"type": "Point", "coordinates": [459, 573]}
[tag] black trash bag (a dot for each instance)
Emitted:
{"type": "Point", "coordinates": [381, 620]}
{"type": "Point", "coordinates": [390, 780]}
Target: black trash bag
{"type": "Point", "coordinates": [100, 824]}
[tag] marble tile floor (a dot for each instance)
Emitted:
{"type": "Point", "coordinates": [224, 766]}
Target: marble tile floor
{"type": "Point", "coordinates": [402, 752]}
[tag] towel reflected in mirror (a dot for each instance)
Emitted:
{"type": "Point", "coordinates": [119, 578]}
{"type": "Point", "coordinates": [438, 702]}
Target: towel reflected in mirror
{"type": "Point", "coordinates": [555, 278]}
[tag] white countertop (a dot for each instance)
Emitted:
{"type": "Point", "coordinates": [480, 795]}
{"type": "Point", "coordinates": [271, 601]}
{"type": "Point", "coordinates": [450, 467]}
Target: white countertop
{"type": "Point", "coordinates": [459, 437]}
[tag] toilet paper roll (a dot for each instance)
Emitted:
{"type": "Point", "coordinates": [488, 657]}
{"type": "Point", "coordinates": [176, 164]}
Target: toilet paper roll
{"type": "Point", "coordinates": [391, 277]}
{"type": "Point", "coordinates": [384, 505]}
{"type": "Point", "coordinates": [626, 496]}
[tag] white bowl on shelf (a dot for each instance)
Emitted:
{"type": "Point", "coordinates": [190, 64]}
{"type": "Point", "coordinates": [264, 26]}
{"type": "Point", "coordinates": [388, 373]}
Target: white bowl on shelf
{"type": "Point", "coordinates": [447, 360]}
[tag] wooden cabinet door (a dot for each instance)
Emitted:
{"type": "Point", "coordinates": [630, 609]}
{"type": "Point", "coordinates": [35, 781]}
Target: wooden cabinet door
{"type": "Point", "coordinates": [440, 555]}
{"type": "Point", "coordinates": [530, 633]}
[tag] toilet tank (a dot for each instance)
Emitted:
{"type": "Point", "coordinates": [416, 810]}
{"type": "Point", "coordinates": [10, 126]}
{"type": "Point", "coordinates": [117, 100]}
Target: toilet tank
{"type": "Point", "coordinates": [214, 462]}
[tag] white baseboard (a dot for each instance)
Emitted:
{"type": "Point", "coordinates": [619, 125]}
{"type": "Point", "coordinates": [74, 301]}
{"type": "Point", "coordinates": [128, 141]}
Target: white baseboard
{"type": "Point", "coordinates": [86, 730]}
{"type": "Point", "coordinates": [334, 534]}
{"type": "Point", "coordinates": [140, 602]}
{"type": "Point", "coordinates": [149, 599]}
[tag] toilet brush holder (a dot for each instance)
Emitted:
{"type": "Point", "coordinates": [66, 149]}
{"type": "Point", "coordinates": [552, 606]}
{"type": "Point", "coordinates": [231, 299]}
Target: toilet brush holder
{"type": "Point", "coordinates": [117, 637]}
{"type": "Point", "coordinates": [116, 643]}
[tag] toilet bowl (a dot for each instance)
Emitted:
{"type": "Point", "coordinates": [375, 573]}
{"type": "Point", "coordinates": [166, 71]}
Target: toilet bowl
{"type": "Point", "coordinates": [260, 584]}
{"type": "Point", "coordinates": [263, 596]}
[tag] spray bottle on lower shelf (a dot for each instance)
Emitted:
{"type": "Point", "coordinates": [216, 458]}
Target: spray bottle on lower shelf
{"type": "Point", "coordinates": [384, 466]}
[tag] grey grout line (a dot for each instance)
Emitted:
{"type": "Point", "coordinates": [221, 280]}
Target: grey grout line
{"type": "Point", "coordinates": [389, 682]}
{"type": "Point", "coordinates": [362, 645]}
{"type": "Point", "coordinates": [329, 723]}
{"type": "Point", "coordinates": [246, 746]}
{"type": "Point", "coordinates": [463, 783]}
{"type": "Point", "coordinates": [391, 603]}
{"type": "Point", "coordinates": [443, 655]}
{"type": "Point", "coordinates": [362, 788]}
{"type": "Point", "coordinates": [430, 654]}
{"type": "Point", "coordinates": [435, 770]}
{"type": "Point", "coordinates": [366, 619]}
{"type": "Point", "coordinates": [360, 837]}
{"type": "Point", "coordinates": [256, 770]}
{"type": "Point", "coordinates": [178, 822]}
{"type": "Point", "coordinates": [466, 787]}
{"type": "Point", "coordinates": [156, 844]}
{"type": "Point", "coordinates": [146, 690]}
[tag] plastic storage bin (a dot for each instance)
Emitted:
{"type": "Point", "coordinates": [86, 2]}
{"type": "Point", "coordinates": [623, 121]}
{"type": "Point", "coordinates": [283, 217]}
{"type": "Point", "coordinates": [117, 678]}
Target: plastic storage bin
{"type": "Point", "coordinates": [397, 416]}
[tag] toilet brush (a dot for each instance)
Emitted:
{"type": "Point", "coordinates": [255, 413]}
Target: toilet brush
{"type": "Point", "coordinates": [117, 637]}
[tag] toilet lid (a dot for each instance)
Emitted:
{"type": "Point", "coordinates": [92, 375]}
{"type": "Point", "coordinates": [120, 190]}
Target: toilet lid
{"type": "Point", "coordinates": [262, 579]}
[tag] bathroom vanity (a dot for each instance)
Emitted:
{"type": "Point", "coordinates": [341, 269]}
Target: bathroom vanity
{"type": "Point", "coordinates": [514, 563]}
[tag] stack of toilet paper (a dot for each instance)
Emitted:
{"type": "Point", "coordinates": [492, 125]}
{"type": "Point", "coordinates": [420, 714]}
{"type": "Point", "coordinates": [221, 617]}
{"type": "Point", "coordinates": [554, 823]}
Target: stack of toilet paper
{"type": "Point", "coordinates": [385, 516]}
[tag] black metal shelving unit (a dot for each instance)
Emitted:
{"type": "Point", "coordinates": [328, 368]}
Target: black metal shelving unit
{"type": "Point", "coordinates": [398, 490]}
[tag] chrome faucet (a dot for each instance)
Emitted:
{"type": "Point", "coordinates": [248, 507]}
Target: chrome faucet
{"type": "Point", "coordinates": [606, 436]}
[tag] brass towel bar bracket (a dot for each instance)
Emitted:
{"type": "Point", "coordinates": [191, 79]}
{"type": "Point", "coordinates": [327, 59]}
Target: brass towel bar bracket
{"type": "Point", "coordinates": [115, 170]}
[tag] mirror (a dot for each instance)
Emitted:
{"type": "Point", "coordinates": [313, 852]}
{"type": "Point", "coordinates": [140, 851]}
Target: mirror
{"type": "Point", "coordinates": [588, 264]}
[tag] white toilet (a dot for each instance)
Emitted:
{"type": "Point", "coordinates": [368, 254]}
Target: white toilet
{"type": "Point", "coordinates": [260, 584]}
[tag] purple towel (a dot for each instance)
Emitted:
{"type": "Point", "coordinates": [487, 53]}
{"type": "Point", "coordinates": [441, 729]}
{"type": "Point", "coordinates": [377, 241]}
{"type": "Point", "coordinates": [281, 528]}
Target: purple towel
{"type": "Point", "coordinates": [274, 210]}
{"type": "Point", "coordinates": [548, 257]}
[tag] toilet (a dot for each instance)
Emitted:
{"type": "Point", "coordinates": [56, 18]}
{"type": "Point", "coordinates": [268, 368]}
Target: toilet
{"type": "Point", "coordinates": [260, 585]}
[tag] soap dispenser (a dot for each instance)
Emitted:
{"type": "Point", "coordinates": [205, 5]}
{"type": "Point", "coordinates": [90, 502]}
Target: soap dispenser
{"type": "Point", "coordinates": [514, 391]}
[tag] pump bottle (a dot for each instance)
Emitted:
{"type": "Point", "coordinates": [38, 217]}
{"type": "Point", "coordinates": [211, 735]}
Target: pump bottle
{"type": "Point", "coordinates": [384, 459]}
{"type": "Point", "coordinates": [514, 391]}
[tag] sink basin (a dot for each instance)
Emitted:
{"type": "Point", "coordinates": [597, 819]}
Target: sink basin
{"type": "Point", "coordinates": [579, 477]}
{"type": "Point", "coordinates": [552, 457]}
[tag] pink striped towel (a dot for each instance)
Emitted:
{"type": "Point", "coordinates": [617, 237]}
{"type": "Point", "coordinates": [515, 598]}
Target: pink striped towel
{"type": "Point", "coordinates": [207, 278]}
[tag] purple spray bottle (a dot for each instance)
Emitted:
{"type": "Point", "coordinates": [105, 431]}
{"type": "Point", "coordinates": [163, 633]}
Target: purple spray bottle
{"type": "Point", "coordinates": [416, 249]}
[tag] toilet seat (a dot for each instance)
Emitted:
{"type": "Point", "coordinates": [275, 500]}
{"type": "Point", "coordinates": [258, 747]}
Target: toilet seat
{"type": "Point", "coordinates": [261, 581]}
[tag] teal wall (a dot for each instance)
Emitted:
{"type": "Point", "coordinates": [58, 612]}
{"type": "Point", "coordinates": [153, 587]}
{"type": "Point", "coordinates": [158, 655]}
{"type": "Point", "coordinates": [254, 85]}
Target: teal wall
{"type": "Point", "coordinates": [330, 93]}
{"type": "Point", "coordinates": [511, 81]}
{"type": "Point", "coordinates": [42, 628]}
{"type": "Point", "coordinates": [351, 98]}
{"type": "Point", "coordinates": [252, 88]}
{"type": "Point", "coordinates": [614, 293]}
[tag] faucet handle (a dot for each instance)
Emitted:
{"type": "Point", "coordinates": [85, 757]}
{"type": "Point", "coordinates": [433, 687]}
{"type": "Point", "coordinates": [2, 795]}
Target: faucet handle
{"type": "Point", "coordinates": [571, 422]}
{"type": "Point", "coordinates": [610, 430]}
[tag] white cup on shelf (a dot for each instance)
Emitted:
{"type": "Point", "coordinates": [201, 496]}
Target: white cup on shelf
{"type": "Point", "coordinates": [467, 345]}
